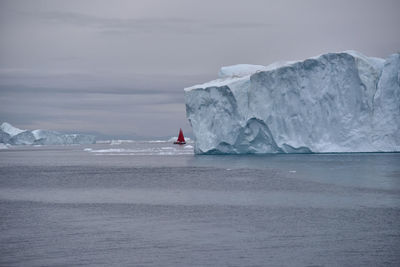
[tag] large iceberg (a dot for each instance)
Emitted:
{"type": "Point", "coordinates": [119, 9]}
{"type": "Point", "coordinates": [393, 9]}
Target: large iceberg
{"type": "Point", "coordinates": [336, 102]}
{"type": "Point", "coordinates": [14, 136]}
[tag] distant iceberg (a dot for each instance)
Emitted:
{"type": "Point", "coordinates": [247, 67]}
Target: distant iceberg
{"type": "Point", "coordinates": [14, 136]}
{"type": "Point", "coordinates": [336, 102]}
{"type": "Point", "coordinates": [9, 129]}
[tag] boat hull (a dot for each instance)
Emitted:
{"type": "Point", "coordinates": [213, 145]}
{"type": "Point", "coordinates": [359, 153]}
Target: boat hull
{"type": "Point", "coordinates": [179, 143]}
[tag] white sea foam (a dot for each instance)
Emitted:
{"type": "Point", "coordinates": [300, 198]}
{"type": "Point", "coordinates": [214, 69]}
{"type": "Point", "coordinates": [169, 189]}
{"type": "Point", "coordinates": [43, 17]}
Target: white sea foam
{"type": "Point", "coordinates": [140, 151]}
{"type": "Point", "coordinates": [115, 142]}
{"type": "Point", "coordinates": [4, 146]}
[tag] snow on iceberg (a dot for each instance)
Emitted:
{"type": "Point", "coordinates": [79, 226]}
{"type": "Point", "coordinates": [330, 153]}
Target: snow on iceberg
{"type": "Point", "coordinates": [14, 136]}
{"type": "Point", "coordinates": [239, 70]}
{"type": "Point", "coordinates": [9, 129]}
{"type": "Point", "coordinates": [336, 102]}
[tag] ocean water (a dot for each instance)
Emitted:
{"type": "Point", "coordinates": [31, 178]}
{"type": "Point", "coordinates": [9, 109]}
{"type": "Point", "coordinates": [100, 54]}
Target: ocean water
{"type": "Point", "coordinates": [130, 203]}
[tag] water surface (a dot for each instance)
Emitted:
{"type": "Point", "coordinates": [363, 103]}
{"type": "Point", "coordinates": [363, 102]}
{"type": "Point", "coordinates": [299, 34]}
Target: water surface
{"type": "Point", "coordinates": [156, 204]}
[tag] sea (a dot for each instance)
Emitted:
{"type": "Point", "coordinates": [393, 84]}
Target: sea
{"type": "Point", "coordinates": [152, 203]}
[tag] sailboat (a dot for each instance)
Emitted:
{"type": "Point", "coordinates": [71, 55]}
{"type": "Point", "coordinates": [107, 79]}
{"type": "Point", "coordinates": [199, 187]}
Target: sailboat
{"type": "Point", "coordinates": [181, 139]}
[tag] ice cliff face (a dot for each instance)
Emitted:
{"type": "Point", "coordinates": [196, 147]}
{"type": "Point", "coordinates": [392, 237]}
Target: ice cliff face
{"type": "Point", "coordinates": [4, 137]}
{"type": "Point", "coordinates": [337, 102]}
{"type": "Point", "coordinates": [14, 136]}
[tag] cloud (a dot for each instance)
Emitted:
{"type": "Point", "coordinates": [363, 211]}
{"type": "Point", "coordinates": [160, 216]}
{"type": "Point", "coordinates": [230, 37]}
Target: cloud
{"type": "Point", "coordinates": [74, 82]}
{"type": "Point", "coordinates": [121, 67]}
{"type": "Point", "coordinates": [147, 25]}
{"type": "Point", "coordinates": [109, 114]}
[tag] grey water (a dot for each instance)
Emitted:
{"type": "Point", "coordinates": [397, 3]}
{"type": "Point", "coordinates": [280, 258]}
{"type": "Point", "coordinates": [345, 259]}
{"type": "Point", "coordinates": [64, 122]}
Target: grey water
{"type": "Point", "coordinates": [156, 204]}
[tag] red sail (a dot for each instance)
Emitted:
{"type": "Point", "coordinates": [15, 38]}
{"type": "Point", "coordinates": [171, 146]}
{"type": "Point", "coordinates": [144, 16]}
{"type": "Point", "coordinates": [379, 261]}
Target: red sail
{"type": "Point", "coordinates": [180, 137]}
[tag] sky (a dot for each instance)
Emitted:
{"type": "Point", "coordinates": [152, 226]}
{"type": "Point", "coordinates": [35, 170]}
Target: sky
{"type": "Point", "coordinates": [118, 68]}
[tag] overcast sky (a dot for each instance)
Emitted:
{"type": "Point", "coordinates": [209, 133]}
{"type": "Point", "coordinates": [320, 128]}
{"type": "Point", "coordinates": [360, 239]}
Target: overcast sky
{"type": "Point", "coordinates": [118, 68]}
